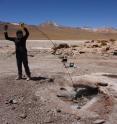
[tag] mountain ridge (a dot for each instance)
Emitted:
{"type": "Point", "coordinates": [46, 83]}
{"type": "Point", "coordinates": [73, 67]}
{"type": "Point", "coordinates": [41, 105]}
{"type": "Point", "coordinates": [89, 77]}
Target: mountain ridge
{"type": "Point", "coordinates": [61, 32]}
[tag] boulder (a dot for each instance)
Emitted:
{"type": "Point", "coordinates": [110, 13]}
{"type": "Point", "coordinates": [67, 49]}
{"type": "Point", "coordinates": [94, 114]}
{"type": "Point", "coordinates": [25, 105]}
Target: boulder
{"type": "Point", "coordinates": [100, 121]}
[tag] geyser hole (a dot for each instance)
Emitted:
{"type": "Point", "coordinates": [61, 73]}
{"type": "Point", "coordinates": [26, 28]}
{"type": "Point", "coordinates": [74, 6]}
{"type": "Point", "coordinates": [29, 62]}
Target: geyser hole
{"type": "Point", "coordinates": [84, 94]}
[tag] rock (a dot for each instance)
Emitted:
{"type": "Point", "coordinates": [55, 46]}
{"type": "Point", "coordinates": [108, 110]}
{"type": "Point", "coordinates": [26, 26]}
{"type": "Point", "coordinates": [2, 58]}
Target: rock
{"type": "Point", "coordinates": [49, 122]}
{"type": "Point", "coordinates": [88, 42]}
{"type": "Point", "coordinates": [107, 48]}
{"type": "Point", "coordinates": [13, 108]}
{"type": "Point", "coordinates": [100, 121]}
{"type": "Point", "coordinates": [62, 88]}
{"type": "Point", "coordinates": [71, 64]}
{"type": "Point", "coordinates": [66, 95]}
{"type": "Point", "coordinates": [115, 53]}
{"type": "Point", "coordinates": [81, 52]}
{"type": "Point", "coordinates": [60, 46]}
{"type": "Point", "coordinates": [6, 123]}
{"type": "Point", "coordinates": [61, 96]}
{"type": "Point", "coordinates": [102, 84]}
{"type": "Point", "coordinates": [51, 80]}
{"type": "Point", "coordinates": [92, 41]}
{"type": "Point", "coordinates": [112, 40]}
{"type": "Point", "coordinates": [103, 42]}
{"type": "Point", "coordinates": [63, 45]}
{"type": "Point", "coordinates": [12, 101]}
{"type": "Point", "coordinates": [15, 101]}
{"type": "Point", "coordinates": [84, 85]}
{"type": "Point", "coordinates": [31, 55]}
{"type": "Point", "coordinates": [95, 45]}
{"type": "Point", "coordinates": [104, 91]}
{"type": "Point", "coordinates": [78, 118]}
{"type": "Point", "coordinates": [58, 110]}
{"type": "Point", "coordinates": [65, 59]}
{"type": "Point", "coordinates": [78, 107]}
{"type": "Point", "coordinates": [23, 115]}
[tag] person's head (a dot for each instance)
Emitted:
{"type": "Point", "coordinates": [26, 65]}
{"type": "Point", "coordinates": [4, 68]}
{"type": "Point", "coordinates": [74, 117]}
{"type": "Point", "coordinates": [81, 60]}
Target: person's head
{"type": "Point", "coordinates": [19, 34]}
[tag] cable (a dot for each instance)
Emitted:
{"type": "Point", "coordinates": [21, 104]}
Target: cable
{"type": "Point", "coordinates": [43, 33]}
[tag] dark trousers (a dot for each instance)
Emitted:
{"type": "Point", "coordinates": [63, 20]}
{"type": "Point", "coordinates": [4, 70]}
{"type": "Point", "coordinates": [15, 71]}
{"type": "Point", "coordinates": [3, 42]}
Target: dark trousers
{"type": "Point", "coordinates": [22, 58]}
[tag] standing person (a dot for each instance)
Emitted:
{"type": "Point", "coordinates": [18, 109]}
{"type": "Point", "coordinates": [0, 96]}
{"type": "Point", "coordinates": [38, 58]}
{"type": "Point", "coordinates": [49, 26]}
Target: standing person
{"type": "Point", "coordinates": [21, 50]}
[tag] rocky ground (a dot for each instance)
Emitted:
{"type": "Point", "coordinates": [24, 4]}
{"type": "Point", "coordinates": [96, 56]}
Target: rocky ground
{"type": "Point", "coordinates": [87, 96]}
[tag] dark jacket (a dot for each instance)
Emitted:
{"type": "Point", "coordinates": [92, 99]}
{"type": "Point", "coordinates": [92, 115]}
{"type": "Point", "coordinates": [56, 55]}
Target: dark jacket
{"type": "Point", "coordinates": [19, 43]}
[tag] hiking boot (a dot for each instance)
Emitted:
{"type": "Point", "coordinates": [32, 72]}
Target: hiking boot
{"type": "Point", "coordinates": [28, 78]}
{"type": "Point", "coordinates": [18, 78]}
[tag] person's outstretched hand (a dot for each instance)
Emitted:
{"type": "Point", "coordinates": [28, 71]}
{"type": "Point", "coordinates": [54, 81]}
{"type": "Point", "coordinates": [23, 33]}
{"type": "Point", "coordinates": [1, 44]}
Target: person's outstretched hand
{"type": "Point", "coordinates": [5, 27]}
{"type": "Point", "coordinates": [22, 25]}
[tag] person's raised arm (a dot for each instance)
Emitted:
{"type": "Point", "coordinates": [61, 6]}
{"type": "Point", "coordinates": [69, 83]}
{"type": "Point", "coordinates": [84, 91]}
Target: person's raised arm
{"type": "Point", "coordinates": [26, 31]}
{"type": "Point", "coordinates": [6, 34]}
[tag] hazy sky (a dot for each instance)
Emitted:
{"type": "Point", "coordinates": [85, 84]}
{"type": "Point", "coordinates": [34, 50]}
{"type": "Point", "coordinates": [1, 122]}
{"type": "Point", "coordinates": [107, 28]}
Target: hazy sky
{"type": "Point", "coordinates": [94, 13]}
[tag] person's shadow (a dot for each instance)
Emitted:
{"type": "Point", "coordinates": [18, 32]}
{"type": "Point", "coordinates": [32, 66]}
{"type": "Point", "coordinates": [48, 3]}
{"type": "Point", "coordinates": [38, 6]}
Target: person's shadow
{"type": "Point", "coordinates": [38, 78]}
{"type": "Point", "coordinates": [110, 75]}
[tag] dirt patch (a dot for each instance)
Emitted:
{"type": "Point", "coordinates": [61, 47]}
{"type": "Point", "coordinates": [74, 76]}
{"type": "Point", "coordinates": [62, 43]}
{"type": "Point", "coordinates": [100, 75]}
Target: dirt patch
{"type": "Point", "coordinates": [50, 97]}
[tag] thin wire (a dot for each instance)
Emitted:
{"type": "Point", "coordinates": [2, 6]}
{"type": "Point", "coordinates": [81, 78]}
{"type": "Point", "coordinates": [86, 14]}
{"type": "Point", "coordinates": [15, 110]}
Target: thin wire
{"type": "Point", "coordinates": [69, 75]}
{"type": "Point", "coordinates": [43, 33]}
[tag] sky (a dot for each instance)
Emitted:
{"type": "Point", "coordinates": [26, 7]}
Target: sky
{"type": "Point", "coordinates": [75, 13]}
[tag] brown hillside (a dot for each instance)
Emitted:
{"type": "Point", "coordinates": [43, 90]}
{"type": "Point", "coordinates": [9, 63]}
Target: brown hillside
{"type": "Point", "coordinates": [61, 32]}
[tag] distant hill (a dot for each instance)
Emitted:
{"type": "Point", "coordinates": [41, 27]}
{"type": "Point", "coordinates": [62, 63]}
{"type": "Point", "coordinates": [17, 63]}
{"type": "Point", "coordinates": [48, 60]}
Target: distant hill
{"type": "Point", "coordinates": [59, 32]}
